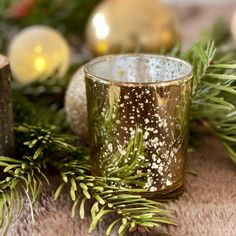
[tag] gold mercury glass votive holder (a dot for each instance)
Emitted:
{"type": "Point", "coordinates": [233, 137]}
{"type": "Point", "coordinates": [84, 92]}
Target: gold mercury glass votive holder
{"type": "Point", "coordinates": [138, 113]}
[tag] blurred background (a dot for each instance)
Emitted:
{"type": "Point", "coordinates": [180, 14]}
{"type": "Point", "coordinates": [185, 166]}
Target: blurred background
{"type": "Point", "coordinates": [199, 2]}
{"type": "Point", "coordinates": [197, 16]}
{"type": "Point", "coordinates": [78, 30]}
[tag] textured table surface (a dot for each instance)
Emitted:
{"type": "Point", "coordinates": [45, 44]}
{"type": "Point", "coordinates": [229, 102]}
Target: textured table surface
{"type": "Point", "coordinates": [208, 206]}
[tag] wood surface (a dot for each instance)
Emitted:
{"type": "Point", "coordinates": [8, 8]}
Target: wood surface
{"type": "Point", "coordinates": [6, 113]}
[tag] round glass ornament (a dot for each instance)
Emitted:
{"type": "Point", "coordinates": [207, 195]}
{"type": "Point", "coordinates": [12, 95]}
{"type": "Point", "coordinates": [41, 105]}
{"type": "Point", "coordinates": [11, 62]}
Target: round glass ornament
{"type": "Point", "coordinates": [129, 25]}
{"type": "Point", "coordinates": [38, 52]}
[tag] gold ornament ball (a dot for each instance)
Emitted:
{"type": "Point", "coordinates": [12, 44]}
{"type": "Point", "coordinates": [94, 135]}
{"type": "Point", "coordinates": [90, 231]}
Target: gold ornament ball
{"type": "Point", "coordinates": [233, 25]}
{"type": "Point", "coordinates": [126, 25]}
{"type": "Point", "coordinates": [76, 105]}
{"type": "Point", "coordinates": [38, 52]}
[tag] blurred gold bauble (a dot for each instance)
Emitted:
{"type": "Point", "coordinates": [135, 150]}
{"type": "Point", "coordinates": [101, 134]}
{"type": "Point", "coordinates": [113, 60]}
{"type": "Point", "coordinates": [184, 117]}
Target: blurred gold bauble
{"type": "Point", "coordinates": [233, 26]}
{"type": "Point", "coordinates": [125, 25]}
{"type": "Point", "coordinates": [38, 52]}
{"type": "Point", "coordinates": [76, 105]}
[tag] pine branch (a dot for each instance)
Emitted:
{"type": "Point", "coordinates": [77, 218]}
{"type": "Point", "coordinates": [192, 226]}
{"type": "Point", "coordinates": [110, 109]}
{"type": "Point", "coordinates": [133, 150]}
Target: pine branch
{"type": "Point", "coordinates": [109, 197]}
{"type": "Point", "coordinates": [214, 93]}
{"type": "Point", "coordinates": [42, 140]}
{"type": "Point", "coordinates": [19, 178]}
{"type": "Point", "coordinates": [130, 208]}
{"type": "Point", "coordinates": [73, 164]}
{"type": "Point", "coordinates": [127, 164]}
{"type": "Point", "coordinates": [22, 177]}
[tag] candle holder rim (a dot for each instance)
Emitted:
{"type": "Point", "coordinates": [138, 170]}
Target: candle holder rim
{"type": "Point", "coordinates": [181, 79]}
{"type": "Point", "coordinates": [4, 61]}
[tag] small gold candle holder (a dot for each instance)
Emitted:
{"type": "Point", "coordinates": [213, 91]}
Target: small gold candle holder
{"type": "Point", "coordinates": [138, 111]}
{"type": "Point", "coordinates": [6, 111]}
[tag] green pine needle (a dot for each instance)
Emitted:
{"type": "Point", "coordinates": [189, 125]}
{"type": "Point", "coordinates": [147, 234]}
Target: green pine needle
{"type": "Point", "coordinates": [214, 93]}
{"type": "Point", "coordinates": [130, 208]}
{"type": "Point", "coordinates": [22, 178]}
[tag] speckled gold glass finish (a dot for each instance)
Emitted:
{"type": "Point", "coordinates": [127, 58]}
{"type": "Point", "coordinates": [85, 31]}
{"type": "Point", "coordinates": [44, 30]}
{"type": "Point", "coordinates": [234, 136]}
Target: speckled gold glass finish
{"type": "Point", "coordinates": [6, 113]}
{"type": "Point", "coordinates": [138, 109]}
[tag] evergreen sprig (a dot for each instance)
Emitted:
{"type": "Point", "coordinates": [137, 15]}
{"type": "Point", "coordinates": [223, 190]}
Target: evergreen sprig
{"type": "Point", "coordinates": [22, 177]}
{"type": "Point", "coordinates": [130, 208]}
{"type": "Point", "coordinates": [38, 148]}
{"type": "Point", "coordinates": [214, 93]}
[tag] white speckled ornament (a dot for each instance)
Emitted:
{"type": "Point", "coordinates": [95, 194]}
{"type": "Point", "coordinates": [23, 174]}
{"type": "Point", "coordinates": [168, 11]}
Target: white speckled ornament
{"type": "Point", "coordinates": [233, 26]}
{"type": "Point", "coordinates": [76, 105]}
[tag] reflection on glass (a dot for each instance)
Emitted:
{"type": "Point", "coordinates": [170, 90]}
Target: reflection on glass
{"type": "Point", "coordinates": [100, 25]}
{"type": "Point", "coordinates": [138, 107]}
